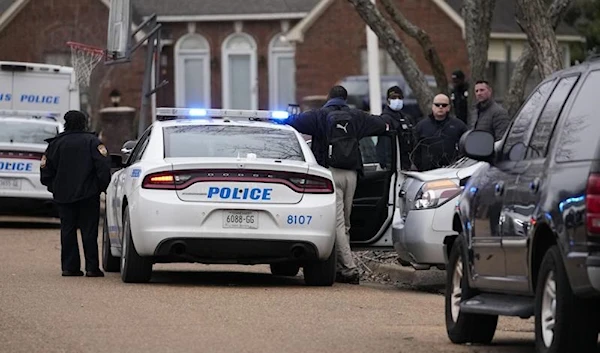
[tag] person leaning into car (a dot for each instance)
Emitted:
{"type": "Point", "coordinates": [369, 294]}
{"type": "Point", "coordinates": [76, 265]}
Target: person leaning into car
{"type": "Point", "coordinates": [76, 170]}
{"type": "Point", "coordinates": [437, 137]}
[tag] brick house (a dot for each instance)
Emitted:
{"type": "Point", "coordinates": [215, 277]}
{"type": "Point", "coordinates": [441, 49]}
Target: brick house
{"type": "Point", "coordinates": [244, 54]}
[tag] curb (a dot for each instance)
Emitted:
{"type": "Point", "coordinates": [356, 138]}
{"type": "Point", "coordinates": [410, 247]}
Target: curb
{"type": "Point", "coordinates": [428, 280]}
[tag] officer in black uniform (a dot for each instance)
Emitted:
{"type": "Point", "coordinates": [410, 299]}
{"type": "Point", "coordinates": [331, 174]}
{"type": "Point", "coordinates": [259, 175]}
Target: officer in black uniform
{"type": "Point", "coordinates": [460, 96]}
{"type": "Point", "coordinates": [399, 122]}
{"type": "Point", "coordinates": [76, 170]}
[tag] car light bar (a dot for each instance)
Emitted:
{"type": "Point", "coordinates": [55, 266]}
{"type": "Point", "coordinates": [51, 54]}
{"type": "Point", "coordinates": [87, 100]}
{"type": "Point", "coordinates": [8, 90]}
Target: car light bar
{"type": "Point", "coordinates": [35, 114]}
{"type": "Point", "coordinates": [196, 113]}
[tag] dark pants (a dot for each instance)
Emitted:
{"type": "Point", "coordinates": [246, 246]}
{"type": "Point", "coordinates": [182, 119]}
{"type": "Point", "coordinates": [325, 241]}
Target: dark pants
{"type": "Point", "coordinates": [83, 215]}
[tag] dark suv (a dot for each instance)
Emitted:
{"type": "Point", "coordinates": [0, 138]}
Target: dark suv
{"type": "Point", "coordinates": [529, 221]}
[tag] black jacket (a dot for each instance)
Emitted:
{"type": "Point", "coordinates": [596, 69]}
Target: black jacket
{"type": "Point", "coordinates": [314, 123]}
{"type": "Point", "coordinates": [75, 166]}
{"type": "Point", "coordinates": [403, 125]}
{"type": "Point", "coordinates": [460, 102]}
{"type": "Point", "coordinates": [491, 117]}
{"type": "Point", "coordinates": [437, 142]}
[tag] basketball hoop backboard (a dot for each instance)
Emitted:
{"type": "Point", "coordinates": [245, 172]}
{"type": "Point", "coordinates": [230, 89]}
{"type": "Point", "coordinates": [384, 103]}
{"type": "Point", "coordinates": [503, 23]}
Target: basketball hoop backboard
{"type": "Point", "coordinates": [119, 29]}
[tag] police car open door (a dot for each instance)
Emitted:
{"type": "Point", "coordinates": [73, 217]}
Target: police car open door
{"type": "Point", "coordinates": [375, 196]}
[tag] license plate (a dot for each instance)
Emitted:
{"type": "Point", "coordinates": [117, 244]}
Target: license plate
{"type": "Point", "coordinates": [240, 219]}
{"type": "Point", "coordinates": [10, 184]}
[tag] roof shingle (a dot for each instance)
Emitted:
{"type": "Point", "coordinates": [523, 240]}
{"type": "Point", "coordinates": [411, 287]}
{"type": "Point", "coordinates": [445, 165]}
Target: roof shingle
{"type": "Point", "coordinates": [221, 7]}
{"type": "Point", "coordinates": [504, 20]}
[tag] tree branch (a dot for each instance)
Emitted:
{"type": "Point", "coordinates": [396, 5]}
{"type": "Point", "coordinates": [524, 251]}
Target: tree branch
{"type": "Point", "coordinates": [533, 17]}
{"type": "Point", "coordinates": [526, 62]}
{"type": "Point", "coordinates": [397, 50]}
{"type": "Point", "coordinates": [422, 37]}
{"type": "Point", "coordinates": [477, 15]}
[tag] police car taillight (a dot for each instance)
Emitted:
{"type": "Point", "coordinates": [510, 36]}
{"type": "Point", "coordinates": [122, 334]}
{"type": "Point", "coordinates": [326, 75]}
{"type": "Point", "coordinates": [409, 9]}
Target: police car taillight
{"type": "Point", "coordinates": [178, 180]}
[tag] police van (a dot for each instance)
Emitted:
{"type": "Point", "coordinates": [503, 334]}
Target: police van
{"type": "Point", "coordinates": [38, 87]}
{"type": "Point", "coordinates": [33, 100]}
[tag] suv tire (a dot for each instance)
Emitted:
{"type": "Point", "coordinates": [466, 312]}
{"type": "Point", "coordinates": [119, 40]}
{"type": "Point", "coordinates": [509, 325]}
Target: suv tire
{"type": "Point", "coordinates": [463, 327]}
{"type": "Point", "coordinates": [570, 316]}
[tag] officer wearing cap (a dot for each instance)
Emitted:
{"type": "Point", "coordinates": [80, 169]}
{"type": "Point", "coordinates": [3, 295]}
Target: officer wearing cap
{"type": "Point", "coordinates": [460, 96]}
{"type": "Point", "coordinates": [399, 122]}
{"type": "Point", "coordinates": [76, 170]}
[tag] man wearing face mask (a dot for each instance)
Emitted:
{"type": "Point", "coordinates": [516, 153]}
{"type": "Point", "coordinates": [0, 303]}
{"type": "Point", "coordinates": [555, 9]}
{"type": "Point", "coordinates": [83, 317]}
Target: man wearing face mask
{"type": "Point", "coordinates": [400, 122]}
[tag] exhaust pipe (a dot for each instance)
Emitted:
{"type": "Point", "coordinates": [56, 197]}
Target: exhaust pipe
{"type": "Point", "coordinates": [178, 248]}
{"type": "Point", "coordinates": [298, 251]}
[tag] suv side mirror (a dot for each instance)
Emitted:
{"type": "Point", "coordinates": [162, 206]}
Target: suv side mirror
{"type": "Point", "coordinates": [478, 145]}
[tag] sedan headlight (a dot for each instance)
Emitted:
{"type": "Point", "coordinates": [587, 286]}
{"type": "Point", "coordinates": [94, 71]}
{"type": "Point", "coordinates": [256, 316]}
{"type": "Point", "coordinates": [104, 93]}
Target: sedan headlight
{"type": "Point", "coordinates": [436, 193]}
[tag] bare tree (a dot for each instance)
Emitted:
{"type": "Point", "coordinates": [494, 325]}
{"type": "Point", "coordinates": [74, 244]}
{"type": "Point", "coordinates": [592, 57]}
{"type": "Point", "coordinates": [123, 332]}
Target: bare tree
{"type": "Point", "coordinates": [397, 50]}
{"type": "Point", "coordinates": [526, 62]}
{"type": "Point", "coordinates": [477, 15]}
{"type": "Point", "coordinates": [422, 37]}
{"type": "Point", "coordinates": [533, 17]}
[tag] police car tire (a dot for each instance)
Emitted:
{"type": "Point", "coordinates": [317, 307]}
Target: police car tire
{"type": "Point", "coordinates": [321, 273]}
{"type": "Point", "coordinates": [135, 268]}
{"type": "Point", "coordinates": [468, 328]}
{"type": "Point", "coordinates": [110, 263]}
{"type": "Point", "coordinates": [285, 269]}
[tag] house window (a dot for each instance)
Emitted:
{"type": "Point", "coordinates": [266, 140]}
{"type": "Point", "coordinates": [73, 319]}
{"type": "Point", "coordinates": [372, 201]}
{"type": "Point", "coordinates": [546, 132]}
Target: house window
{"type": "Point", "coordinates": [192, 71]}
{"type": "Point", "coordinates": [499, 79]}
{"type": "Point", "coordinates": [240, 90]}
{"type": "Point", "coordinates": [282, 74]}
{"type": "Point", "coordinates": [387, 66]}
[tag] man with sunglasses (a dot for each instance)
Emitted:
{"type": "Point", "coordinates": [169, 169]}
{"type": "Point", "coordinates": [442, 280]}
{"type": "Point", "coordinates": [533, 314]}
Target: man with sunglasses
{"type": "Point", "coordinates": [437, 136]}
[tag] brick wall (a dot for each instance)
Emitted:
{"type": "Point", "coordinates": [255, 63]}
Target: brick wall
{"type": "Point", "coordinates": [215, 33]}
{"type": "Point", "coordinates": [44, 26]}
{"type": "Point", "coordinates": [332, 46]}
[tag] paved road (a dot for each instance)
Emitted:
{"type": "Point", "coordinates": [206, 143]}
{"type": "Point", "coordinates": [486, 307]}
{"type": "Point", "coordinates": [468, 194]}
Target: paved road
{"type": "Point", "coordinates": [199, 308]}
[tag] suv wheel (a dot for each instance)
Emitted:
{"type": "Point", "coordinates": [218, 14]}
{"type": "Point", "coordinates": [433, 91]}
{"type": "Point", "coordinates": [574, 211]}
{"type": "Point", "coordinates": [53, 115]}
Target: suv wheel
{"type": "Point", "coordinates": [110, 263]}
{"type": "Point", "coordinates": [463, 327]}
{"type": "Point", "coordinates": [285, 269]}
{"type": "Point", "coordinates": [321, 273]}
{"type": "Point", "coordinates": [562, 320]}
{"type": "Point", "coordinates": [134, 268]}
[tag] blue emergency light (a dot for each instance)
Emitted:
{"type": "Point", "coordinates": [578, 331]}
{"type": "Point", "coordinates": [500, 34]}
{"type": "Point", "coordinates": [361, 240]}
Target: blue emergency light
{"type": "Point", "coordinates": [163, 114]}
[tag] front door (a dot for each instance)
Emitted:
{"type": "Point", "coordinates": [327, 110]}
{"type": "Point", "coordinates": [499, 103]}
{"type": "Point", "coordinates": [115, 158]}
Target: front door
{"type": "Point", "coordinates": [526, 197]}
{"type": "Point", "coordinates": [374, 198]}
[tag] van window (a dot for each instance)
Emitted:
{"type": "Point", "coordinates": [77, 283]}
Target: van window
{"type": "Point", "coordinates": [578, 138]}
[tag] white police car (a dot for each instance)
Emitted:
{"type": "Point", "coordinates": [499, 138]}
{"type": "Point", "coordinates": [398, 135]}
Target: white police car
{"type": "Point", "coordinates": [220, 186]}
{"type": "Point", "coordinates": [22, 145]}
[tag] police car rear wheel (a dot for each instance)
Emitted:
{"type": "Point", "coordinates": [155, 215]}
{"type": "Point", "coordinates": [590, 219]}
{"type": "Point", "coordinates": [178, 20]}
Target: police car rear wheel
{"type": "Point", "coordinates": [321, 273]}
{"type": "Point", "coordinates": [110, 263]}
{"type": "Point", "coordinates": [134, 268]}
{"type": "Point", "coordinates": [285, 269]}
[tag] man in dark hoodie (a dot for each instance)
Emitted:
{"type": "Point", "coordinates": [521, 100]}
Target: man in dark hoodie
{"type": "Point", "coordinates": [402, 124]}
{"type": "Point", "coordinates": [76, 170]}
{"type": "Point", "coordinates": [437, 136]}
{"type": "Point", "coordinates": [336, 118]}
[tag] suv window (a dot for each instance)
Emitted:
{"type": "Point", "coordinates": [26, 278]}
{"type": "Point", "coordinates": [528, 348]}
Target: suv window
{"type": "Point", "coordinates": [525, 118]}
{"type": "Point", "coordinates": [538, 146]}
{"type": "Point", "coordinates": [579, 135]}
{"type": "Point", "coordinates": [231, 142]}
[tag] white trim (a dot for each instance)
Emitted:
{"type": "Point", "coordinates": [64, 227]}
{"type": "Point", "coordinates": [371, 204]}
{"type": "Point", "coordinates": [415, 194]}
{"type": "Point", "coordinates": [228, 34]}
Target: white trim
{"type": "Point", "coordinates": [180, 56]}
{"type": "Point", "coordinates": [448, 10]}
{"type": "Point", "coordinates": [297, 33]}
{"type": "Point", "coordinates": [10, 13]}
{"type": "Point", "coordinates": [274, 55]}
{"type": "Point", "coordinates": [523, 36]}
{"type": "Point", "coordinates": [225, 53]}
{"type": "Point", "coordinates": [237, 17]}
